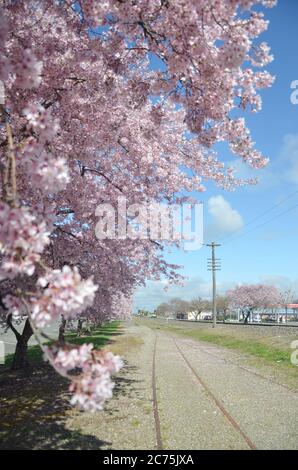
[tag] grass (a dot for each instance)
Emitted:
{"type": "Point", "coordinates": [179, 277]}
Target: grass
{"type": "Point", "coordinates": [126, 343]}
{"type": "Point", "coordinates": [268, 351]}
{"type": "Point", "coordinates": [35, 412]}
{"type": "Point", "coordinates": [35, 406]}
{"type": "Point", "coordinates": [99, 337]}
{"type": "Point", "coordinates": [255, 348]}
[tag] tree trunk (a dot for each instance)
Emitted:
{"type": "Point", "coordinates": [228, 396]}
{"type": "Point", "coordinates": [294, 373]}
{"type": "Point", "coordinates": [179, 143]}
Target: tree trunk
{"type": "Point", "coordinates": [88, 327]}
{"type": "Point", "coordinates": [246, 318]}
{"type": "Point", "coordinates": [197, 314]}
{"type": "Point", "coordinates": [224, 315]}
{"type": "Point", "coordinates": [61, 337]}
{"type": "Point", "coordinates": [20, 359]}
{"type": "Point", "coordinates": [79, 328]}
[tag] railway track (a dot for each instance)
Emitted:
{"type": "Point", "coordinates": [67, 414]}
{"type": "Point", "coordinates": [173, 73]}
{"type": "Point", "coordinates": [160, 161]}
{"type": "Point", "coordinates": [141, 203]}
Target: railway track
{"type": "Point", "coordinates": [216, 400]}
{"type": "Point", "coordinates": [210, 394]}
{"type": "Point", "coordinates": [159, 444]}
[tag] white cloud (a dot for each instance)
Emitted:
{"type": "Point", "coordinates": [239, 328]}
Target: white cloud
{"type": "Point", "coordinates": [150, 296]}
{"type": "Point", "coordinates": [153, 294]}
{"type": "Point", "coordinates": [282, 283]}
{"type": "Point", "coordinates": [225, 219]}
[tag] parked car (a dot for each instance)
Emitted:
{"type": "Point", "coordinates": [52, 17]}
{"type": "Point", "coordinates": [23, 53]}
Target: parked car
{"type": "Point", "coordinates": [208, 317]}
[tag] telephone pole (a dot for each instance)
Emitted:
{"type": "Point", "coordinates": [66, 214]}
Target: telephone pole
{"type": "Point", "coordinates": [213, 265]}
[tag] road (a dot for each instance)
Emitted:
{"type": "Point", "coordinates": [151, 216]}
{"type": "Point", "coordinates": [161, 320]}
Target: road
{"type": "Point", "coordinates": [183, 394]}
{"type": "Point", "coordinates": [9, 340]}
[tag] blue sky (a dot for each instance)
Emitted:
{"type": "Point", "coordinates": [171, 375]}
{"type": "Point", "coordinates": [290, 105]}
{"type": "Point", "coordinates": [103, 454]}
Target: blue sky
{"type": "Point", "coordinates": [268, 253]}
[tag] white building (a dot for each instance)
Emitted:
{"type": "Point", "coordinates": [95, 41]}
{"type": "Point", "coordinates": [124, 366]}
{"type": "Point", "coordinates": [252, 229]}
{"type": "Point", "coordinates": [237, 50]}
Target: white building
{"type": "Point", "coordinates": [205, 315]}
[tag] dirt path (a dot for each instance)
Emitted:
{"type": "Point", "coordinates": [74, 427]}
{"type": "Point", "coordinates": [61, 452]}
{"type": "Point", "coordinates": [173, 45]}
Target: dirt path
{"type": "Point", "coordinates": [265, 413]}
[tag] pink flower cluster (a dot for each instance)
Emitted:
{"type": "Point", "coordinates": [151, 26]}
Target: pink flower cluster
{"type": "Point", "coordinates": [28, 71]}
{"type": "Point", "coordinates": [15, 306]}
{"type": "Point", "coordinates": [234, 52]}
{"type": "Point", "coordinates": [92, 385]}
{"type": "Point", "coordinates": [95, 385]}
{"type": "Point", "coordinates": [48, 173]}
{"type": "Point", "coordinates": [69, 359]}
{"type": "Point", "coordinates": [111, 139]}
{"type": "Point", "coordinates": [254, 296]}
{"type": "Point", "coordinates": [22, 240]}
{"type": "Point", "coordinates": [42, 122]}
{"type": "Point", "coordinates": [64, 292]}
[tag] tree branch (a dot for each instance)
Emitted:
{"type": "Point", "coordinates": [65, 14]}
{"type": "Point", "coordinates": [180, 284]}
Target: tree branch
{"type": "Point", "coordinates": [11, 326]}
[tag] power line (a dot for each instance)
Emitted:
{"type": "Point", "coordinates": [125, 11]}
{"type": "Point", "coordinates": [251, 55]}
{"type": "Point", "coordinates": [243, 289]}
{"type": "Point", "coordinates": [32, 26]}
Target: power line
{"type": "Point", "coordinates": [260, 215]}
{"type": "Point", "coordinates": [261, 225]}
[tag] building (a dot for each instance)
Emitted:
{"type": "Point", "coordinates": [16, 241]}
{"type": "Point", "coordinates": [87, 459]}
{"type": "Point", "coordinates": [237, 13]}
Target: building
{"type": "Point", "coordinates": [190, 316]}
{"type": "Point", "coordinates": [181, 316]}
{"type": "Point", "coordinates": [205, 315]}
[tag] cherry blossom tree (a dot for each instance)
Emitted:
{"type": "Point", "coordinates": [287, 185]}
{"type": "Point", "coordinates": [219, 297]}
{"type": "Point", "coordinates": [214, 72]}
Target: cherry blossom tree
{"type": "Point", "coordinates": [109, 99]}
{"type": "Point", "coordinates": [249, 297]}
{"type": "Point", "coordinates": [198, 305]}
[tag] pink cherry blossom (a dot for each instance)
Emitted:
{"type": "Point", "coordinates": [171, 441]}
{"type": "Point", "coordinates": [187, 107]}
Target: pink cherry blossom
{"type": "Point", "coordinates": [69, 359]}
{"type": "Point", "coordinates": [91, 392]}
{"type": "Point", "coordinates": [92, 384]}
{"type": "Point", "coordinates": [64, 292]}
{"type": "Point", "coordinates": [88, 119]}
{"type": "Point", "coordinates": [28, 71]}
{"type": "Point", "coordinates": [15, 306]}
{"type": "Point", "coordinates": [254, 296]}
{"type": "Point", "coordinates": [22, 240]}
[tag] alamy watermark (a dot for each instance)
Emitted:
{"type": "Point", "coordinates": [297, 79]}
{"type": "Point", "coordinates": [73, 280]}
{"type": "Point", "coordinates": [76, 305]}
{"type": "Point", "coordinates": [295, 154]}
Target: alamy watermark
{"type": "Point", "coordinates": [152, 221]}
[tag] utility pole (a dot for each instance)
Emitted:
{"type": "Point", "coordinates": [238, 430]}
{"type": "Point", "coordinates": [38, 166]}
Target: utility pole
{"type": "Point", "coordinates": [213, 265]}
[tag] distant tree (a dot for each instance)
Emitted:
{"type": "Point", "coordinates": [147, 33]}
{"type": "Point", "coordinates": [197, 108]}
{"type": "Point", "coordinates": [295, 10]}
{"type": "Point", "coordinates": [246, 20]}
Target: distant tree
{"type": "Point", "coordinates": [249, 297]}
{"type": "Point", "coordinates": [222, 304]}
{"type": "Point", "coordinates": [162, 310]}
{"type": "Point", "coordinates": [143, 313]}
{"type": "Point", "coordinates": [287, 297]}
{"type": "Point", "coordinates": [198, 305]}
{"type": "Point", "coordinates": [178, 305]}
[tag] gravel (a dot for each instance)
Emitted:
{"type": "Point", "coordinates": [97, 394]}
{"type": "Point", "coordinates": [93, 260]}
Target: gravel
{"type": "Point", "coordinates": [267, 412]}
{"type": "Point", "coordinates": [190, 419]}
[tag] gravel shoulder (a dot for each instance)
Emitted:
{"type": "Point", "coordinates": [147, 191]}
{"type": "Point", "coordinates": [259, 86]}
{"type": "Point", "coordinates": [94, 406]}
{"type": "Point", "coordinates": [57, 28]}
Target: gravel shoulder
{"type": "Point", "coordinates": [189, 419]}
{"type": "Point", "coordinates": [266, 412]}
